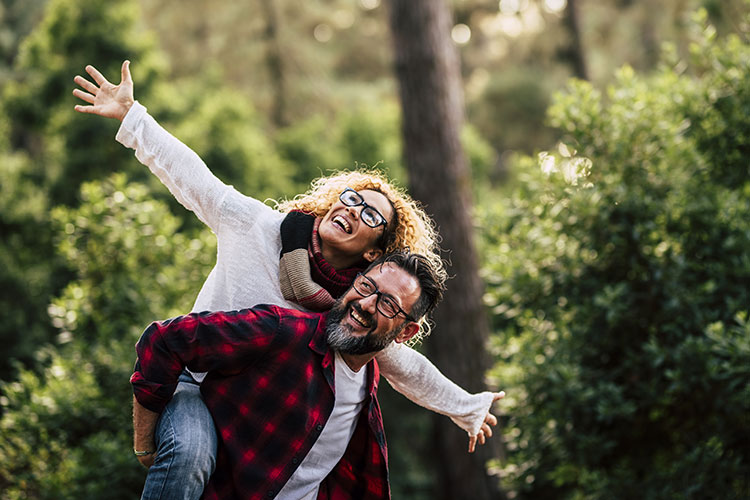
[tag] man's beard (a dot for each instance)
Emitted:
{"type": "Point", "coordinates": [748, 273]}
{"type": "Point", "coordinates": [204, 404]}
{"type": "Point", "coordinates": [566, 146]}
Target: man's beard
{"type": "Point", "coordinates": [340, 337]}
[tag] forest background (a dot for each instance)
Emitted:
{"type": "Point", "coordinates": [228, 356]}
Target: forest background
{"type": "Point", "coordinates": [609, 148]}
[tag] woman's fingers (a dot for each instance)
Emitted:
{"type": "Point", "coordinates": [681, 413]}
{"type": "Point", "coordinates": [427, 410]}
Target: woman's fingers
{"type": "Point", "coordinates": [125, 72]}
{"type": "Point", "coordinates": [84, 96]}
{"type": "Point", "coordinates": [98, 77]}
{"type": "Point", "coordinates": [85, 109]}
{"type": "Point", "coordinates": [86, 85]}
{"type": "Point", "coordinates": [487, 430]}
{"type": "Point", "coordinates": [491, 419]}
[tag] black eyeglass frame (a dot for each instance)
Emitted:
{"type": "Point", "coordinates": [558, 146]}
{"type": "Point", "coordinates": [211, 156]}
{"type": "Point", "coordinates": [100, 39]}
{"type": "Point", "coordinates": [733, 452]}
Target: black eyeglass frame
{"type": "Point", "coordinates": [380, 295]}
{"type": "Point", "coordinates": [365, 206]}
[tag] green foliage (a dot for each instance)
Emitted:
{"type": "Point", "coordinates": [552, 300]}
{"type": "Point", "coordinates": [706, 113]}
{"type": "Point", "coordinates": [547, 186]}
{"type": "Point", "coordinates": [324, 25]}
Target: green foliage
{"type": "Point", "coordinates": [17, 18]}
{"type": "Point", "coordinates": [619, 291]}
{"type": "Point", "coordinates": [66, 432]}
{"type": "Point", "coordinates": [409, 433]}
{"type": "Point", "coordinates": [47, 150]}
{"type": "Point", "coordinates": [225, 131]}
{"type": "Point", "coordinates": [131, 263]}
{"type": "Point", "coordinates": [26, 282]}
{"type": "Point", "coordinates": [364, 136]}
{"type": "Point", "coordinates": [68, 148]}
{"type": "Point", "coordinates": [510, 112]}
{"type": "Point", "coordinates": [719, 115]}
{"type": "Point", "coordinates": [619, 313]}
{"type": "Point", "coordinates": [309, 145]}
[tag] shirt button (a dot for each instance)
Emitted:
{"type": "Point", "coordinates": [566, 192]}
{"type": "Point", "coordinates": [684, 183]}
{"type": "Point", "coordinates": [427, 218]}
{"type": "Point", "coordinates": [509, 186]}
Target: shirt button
{"type": "Point", "coordinates": [295, 460]}
{"type": "Point", "coordinates": [271, 494]}
{"type": "Point", "coordinates": [318, 427]}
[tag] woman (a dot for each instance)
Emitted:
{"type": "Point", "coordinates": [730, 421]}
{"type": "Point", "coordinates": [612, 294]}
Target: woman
{"type": "Point", "coordinates": [305, 254]}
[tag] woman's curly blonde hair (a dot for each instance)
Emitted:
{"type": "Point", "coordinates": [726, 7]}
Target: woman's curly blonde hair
{"type": "Point", "coordinates": [414, 231]}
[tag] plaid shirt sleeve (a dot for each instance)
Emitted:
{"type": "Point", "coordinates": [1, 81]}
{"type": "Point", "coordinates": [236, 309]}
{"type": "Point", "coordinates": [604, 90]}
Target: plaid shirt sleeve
{"type": "Point", "coordinates": [217, 341]}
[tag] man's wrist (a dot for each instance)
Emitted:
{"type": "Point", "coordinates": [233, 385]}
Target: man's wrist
{"type": "Point", "coordinates": [143, 453]}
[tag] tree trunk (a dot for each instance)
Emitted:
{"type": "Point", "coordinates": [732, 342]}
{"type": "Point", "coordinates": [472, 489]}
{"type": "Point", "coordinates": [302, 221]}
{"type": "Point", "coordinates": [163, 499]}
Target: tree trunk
{"type": "Point", "coordinates": [428, 71]}
{"type": "Point", "coordinates": [275, 63]}
{"type": "Point", "coordinates": [575, 51]}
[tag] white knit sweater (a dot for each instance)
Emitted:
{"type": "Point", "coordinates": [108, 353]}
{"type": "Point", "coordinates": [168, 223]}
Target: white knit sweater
{"type": "Point", "coordinates": [247, 265]}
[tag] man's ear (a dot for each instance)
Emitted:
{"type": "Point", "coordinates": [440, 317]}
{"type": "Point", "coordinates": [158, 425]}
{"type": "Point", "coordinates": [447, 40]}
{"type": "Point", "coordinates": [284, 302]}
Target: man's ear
{"type": "Point", "coordinates": [372, 254]}
{"type": "Point", "coordinates": [410, 329]}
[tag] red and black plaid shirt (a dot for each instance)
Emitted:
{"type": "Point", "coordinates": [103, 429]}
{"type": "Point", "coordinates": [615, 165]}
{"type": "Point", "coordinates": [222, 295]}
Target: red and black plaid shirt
{"type": "Point", "coordinates": [270, 390]}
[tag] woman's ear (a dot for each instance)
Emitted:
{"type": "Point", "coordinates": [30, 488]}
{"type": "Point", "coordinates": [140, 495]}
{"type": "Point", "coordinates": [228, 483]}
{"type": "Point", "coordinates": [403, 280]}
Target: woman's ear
{"type": "Point", "coordinates": [372, 254]}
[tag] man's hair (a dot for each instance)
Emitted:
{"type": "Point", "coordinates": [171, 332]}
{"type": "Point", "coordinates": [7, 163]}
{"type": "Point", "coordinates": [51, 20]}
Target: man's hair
{"type": "Point", "coordinates": [413, 229]}
{"type": "Point", "coordinates": [431, 286]}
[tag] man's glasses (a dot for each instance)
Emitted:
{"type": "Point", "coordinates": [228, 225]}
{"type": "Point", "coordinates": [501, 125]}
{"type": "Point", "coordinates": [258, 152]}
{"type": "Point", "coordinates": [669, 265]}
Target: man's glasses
{"type": "Point", "coordinates": [368, 214]}
{"type": "Point", "coordinates": [385, 304]}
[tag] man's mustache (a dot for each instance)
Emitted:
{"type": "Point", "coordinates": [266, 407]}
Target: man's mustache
{"type": "Point", "coordinates": [361, 312]}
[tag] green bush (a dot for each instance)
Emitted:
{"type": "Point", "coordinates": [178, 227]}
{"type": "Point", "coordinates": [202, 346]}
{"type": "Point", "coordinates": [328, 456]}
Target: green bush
{"type": "Point", "coordinates": [619, 290]}
{"type": "Point", "coordinates": [66, 432]}
{"type": "Point", "coordinates": [47, 150]}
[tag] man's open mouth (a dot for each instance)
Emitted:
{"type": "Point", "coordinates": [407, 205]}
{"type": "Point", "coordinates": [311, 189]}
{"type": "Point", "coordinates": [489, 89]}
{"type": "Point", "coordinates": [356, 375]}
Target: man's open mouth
{"type": "Point", "coordinates": [357, 317]}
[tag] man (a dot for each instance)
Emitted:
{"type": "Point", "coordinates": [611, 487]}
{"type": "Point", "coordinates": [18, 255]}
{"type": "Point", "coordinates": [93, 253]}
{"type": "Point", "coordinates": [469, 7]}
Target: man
{"type": "Point", "coordinates": [293, 394]}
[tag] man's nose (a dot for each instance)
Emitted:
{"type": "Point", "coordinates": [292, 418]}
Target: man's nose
{"type": "Point", "coordinates": [369, 303]}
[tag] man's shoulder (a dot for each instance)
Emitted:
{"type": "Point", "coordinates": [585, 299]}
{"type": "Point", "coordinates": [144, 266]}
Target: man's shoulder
{"type": "Point", "coordinates": [294, 327]}
{"type": "Point", "coordinates": [288, 312]}
{"type": "Point", "coordinates": [293, 318]}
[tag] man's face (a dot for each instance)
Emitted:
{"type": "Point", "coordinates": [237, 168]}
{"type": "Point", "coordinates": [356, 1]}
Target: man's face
{"type": "Point", "coordinates": [357, 326]}
{"type": "Point", "coordinates": [343, 230]}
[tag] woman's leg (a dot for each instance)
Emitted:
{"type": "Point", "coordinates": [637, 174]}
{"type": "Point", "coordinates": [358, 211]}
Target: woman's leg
{"type": "Point", "coordinates": [185, 447]}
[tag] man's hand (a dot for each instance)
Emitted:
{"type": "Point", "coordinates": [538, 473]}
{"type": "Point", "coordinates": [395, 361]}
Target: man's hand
{"type": "Point", "coordinates": [486, 430]}
{"type": "Point", "coordinates": [147, 460]}
{"type": "Point", "coordinates": [110, 101]}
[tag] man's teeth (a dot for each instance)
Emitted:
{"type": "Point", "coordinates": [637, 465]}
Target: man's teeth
{"type": "Point", "coordinates": [343, 223]}
{"type": "Point", "coordinates": [359, 319]}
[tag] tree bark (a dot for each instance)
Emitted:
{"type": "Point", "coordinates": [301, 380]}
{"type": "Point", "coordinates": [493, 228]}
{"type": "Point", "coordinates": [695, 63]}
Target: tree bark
{"type": "Point", "coordinates": [428, 71]}
{"type": "Point", "coordinates": [275, 63]}
{"type": "Point", "coordinates": [575, 51]}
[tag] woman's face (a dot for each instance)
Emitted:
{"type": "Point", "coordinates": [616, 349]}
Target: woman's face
{"type": "Point", "coordinates": [343, 232]}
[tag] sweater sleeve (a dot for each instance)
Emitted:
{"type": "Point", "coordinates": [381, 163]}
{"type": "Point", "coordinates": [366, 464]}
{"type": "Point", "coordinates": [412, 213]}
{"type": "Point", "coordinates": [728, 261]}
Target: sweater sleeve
{"type": "Point", "coordinates": [176, 165]}
{"type": "Point", "coordinates": [414, 376]}
{"type": "Point", "coordinates": [218, 341]}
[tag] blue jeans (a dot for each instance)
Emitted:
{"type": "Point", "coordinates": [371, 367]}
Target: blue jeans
{"type": "Point", "coordinates": [185, 447]}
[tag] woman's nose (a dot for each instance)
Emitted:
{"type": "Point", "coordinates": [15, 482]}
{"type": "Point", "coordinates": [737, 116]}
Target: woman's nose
{"type": "Point", "coordinates": [353, 212]}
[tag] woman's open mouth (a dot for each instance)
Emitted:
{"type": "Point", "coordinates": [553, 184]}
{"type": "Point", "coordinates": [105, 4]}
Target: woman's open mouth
{"type": "Point", "coordinates": [342, 223]}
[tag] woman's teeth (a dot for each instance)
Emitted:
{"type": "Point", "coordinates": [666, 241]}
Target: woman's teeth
{"type": "Point", "coordinates": [343, 223]}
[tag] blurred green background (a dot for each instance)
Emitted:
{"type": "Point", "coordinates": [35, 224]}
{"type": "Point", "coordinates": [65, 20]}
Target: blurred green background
{"type": "Point", "coordinates": [609, 142]}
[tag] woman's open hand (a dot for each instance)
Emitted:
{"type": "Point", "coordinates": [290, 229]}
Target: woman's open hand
{"type": "Point", "coordinates": [108, 100]}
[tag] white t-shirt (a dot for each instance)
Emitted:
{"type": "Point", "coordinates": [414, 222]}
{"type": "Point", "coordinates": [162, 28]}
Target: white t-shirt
{"type": "Point", "coordinates": [351, 389]}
